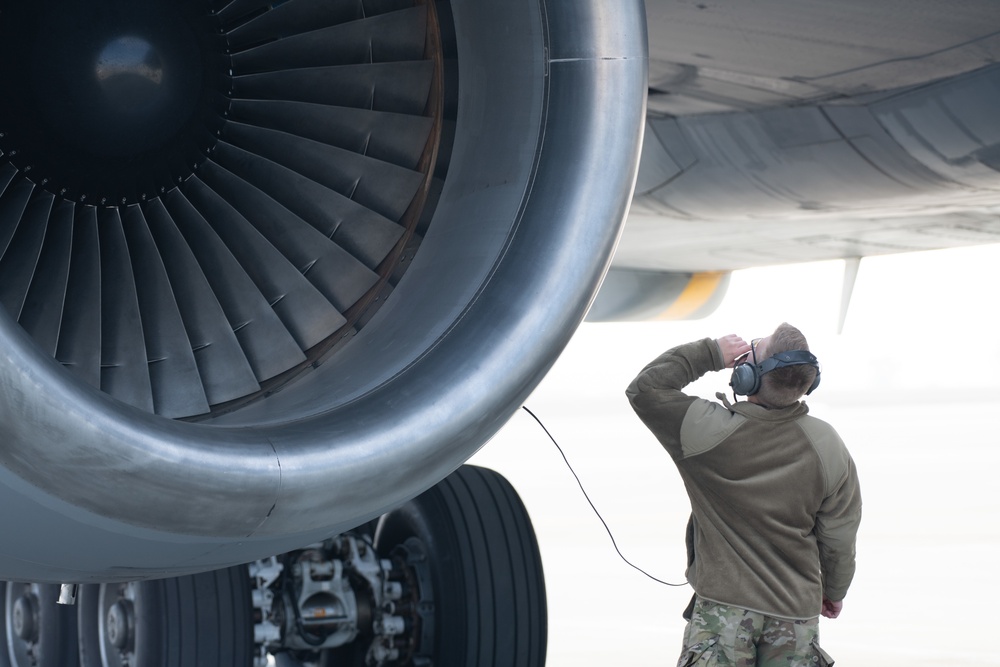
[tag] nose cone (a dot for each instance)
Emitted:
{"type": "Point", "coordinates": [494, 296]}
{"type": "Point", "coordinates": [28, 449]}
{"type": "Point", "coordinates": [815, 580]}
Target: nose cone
{"type": "Point", "coordinates": [114, 102]}
{"type": "Point", "coordinates": [138, 83]}
{"type": "Point", "coordinates": [129, 73]}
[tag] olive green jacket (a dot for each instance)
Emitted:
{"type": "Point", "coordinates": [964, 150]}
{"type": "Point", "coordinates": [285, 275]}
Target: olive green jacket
{"type": "Point", "coordinates": [775, 497]}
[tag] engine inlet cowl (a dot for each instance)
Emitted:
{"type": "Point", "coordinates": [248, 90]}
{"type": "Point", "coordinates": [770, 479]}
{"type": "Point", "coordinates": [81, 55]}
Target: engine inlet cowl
{"type": "Point", "coordinates": [231, 361]}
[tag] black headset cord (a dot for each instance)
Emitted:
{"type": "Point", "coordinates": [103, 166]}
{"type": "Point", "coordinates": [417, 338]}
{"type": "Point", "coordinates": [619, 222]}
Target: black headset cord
{"type": "Point", "coordinates": [584, 491]}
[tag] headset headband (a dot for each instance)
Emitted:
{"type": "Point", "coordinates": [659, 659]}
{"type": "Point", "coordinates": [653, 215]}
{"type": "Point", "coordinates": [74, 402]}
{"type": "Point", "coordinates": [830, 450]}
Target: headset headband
{"type": "Point", "coordinates": [790, 358]}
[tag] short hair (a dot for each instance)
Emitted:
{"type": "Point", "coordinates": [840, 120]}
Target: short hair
{"type": "Point", "coordinates": [784, 386]}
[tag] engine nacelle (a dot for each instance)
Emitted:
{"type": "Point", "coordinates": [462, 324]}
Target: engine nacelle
{"type": "Point", "coordinates": [97, 482]}
{"type": "Point", "coordinates": [637, 295]}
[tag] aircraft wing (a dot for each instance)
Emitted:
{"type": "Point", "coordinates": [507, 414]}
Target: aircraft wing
{"type": "Point", "coordinates": [794, 132]}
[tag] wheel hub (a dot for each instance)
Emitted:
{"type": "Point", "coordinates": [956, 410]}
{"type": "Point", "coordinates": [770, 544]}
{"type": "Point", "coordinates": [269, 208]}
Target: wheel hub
{"type": "Point", "coordinates": [119, 625]}
{"type": "Point", "coordinates": [25, 618]}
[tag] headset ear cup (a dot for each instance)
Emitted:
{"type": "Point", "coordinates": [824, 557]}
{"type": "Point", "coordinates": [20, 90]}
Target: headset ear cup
{"type": "Point", "coordinates": [745, 380]}
{"type": "Point", "coordinates": [815, 383]}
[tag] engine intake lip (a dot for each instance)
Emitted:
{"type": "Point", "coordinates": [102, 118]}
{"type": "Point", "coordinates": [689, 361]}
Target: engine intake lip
{"type": "Point", "coordinates": [551, 113]}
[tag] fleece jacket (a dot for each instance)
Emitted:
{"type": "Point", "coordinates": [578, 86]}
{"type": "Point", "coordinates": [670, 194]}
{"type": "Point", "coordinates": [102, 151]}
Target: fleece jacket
{"type": "Point", "coordinates": [775, 497]}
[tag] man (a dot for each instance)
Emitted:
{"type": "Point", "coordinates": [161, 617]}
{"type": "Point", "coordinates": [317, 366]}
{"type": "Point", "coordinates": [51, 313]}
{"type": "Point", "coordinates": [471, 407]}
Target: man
{"type": "Point", "coordinates": [774, 494]}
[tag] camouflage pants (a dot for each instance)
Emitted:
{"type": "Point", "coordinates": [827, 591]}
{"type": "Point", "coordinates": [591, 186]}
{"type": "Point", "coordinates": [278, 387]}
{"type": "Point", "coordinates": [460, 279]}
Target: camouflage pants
{"type": "Point", "coordinates": [722, 636]}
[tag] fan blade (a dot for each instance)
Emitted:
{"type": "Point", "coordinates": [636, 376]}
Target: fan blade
{"type": "Point", "coordinates": [18, 263]}
{"type": "Point", "coordinates": [382, 187]}
{"type": "Point", "coordinates": [41, 315]}
{"type": "Point", "coordinates": [364, 233]}
{"type": "Point", "coordinates": [268, 346]}
{"type": "Point", "coordinates": [338, 276]}
{"type": "Point", "coordinates": [124, 367]}
{"type": "Point", "coordinates": [305, 313]}
{"type": "Point", "coordinates": [396, 138]}
{"type": "Point", "coordinates": [13, 202]}
{"type": "Point", "coordinates": [384, 38]}
{"type": "Point", "coordinates": [225, 371]}
{"type": "Point", "coordinates": [79, 346]}
{"type": "Point", "coordinates": [173, 372]}
{"type": "Point", "coordinates": [288, 18]}
{"type": "Point", "coordinates": [401, 87]}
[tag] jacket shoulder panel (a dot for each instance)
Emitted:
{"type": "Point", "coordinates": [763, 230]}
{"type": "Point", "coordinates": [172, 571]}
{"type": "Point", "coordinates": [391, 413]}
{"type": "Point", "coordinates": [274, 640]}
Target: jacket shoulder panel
{"type": "Point", "coordinates": [832, 452]}
{"type": "Point", "coordinates": [707, 424]}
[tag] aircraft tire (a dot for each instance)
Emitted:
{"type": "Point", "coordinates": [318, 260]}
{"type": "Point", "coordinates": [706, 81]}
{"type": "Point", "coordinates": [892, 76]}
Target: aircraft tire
{"type": "Point", "coordinates": [483, 561]}
{"type": "Point", "coordinates": [200, 620]}
{"type": "Point", "coordinates": [52, 627]}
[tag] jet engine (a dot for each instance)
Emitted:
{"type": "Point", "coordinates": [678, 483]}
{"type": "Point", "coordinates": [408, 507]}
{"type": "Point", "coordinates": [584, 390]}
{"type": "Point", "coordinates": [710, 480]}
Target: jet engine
{"type": "Point", "coordinates": [270, 269]}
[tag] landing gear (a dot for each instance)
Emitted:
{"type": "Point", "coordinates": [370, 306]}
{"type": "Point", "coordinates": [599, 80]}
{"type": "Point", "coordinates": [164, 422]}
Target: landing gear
{"type": "Point", "coordinates": [452, 578]}
{"type": "Point", "coordinates": [471, 539]}
{"type": "Point", "coordinates": [36, 631]}
{"type": "Point", "coordinates": [201, 620]}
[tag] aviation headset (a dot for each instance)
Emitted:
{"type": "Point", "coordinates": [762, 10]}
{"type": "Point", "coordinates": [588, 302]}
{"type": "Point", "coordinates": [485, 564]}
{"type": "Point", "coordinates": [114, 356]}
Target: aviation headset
{"type": "Point", "coordinates": [746, 377]}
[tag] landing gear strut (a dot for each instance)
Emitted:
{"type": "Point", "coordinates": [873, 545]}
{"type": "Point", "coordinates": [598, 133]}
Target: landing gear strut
{"type": "Point", "coordinates": [452, 578]}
